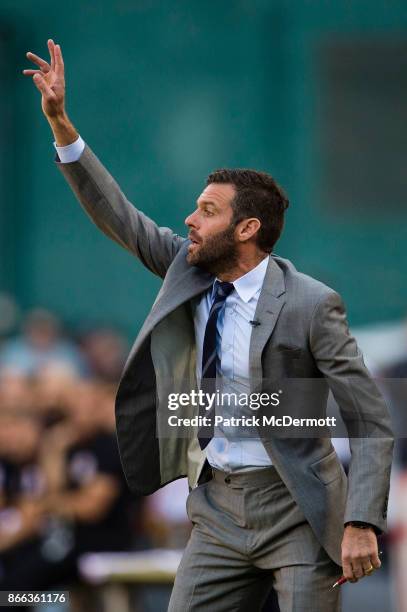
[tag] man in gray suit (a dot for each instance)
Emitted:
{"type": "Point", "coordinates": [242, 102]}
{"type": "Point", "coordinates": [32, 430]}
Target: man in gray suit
{"type": "Point", "coordinates": [265, 509]}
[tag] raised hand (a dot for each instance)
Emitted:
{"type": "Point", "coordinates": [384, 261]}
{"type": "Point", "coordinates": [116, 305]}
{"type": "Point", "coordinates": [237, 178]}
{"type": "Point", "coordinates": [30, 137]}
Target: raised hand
{"type": "Point", "coordinates": [49, 78]}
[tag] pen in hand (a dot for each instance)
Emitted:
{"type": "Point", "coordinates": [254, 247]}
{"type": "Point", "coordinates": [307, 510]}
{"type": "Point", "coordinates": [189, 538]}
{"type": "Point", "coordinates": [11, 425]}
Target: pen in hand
{"type": "Point", "coordinates": [342, 579]}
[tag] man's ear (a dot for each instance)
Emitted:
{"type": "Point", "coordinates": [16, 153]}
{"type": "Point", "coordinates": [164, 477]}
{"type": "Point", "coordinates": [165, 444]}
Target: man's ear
{"type": "Point", "coordinates": [247, 228]}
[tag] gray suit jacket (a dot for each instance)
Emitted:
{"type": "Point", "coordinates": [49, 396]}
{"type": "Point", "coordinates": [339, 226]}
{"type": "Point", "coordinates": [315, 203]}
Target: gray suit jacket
{"type": "Point", "coordinates": [303, 334]}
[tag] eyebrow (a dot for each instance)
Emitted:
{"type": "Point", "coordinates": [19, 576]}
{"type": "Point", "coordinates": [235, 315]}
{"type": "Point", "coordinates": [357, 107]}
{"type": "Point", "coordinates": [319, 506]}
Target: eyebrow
{"type": "Point", "coordinates": [206, 203]}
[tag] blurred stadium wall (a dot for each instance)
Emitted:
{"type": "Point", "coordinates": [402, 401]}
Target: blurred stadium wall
{"type": "Point", "coordinates": [164, 92]}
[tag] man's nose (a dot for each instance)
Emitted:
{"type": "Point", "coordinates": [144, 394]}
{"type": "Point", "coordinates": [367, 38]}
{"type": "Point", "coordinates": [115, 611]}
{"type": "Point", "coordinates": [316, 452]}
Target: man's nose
{"type": "Point", "coordinates": [190, 221]}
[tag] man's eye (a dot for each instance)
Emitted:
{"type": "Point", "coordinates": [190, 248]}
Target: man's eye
{"type": "Point", "coordinates": [209, 213]}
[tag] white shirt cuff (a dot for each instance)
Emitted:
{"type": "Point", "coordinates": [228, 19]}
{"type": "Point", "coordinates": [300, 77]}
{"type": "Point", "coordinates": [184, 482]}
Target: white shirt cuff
{"type": "Point", "coordinates": [72, 152]}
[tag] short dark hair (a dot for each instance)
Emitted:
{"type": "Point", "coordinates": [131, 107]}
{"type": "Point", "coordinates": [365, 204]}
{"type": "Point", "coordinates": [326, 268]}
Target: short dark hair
{"type": "Point", "coordinates": [257, 195]}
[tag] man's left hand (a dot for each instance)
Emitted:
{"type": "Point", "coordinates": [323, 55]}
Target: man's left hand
{"type": "Point", "coordinates": [360, 555]}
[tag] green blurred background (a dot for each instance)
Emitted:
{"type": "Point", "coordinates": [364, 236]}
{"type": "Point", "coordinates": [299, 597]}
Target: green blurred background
{"type": "Point", "coordinates": [314, 92]}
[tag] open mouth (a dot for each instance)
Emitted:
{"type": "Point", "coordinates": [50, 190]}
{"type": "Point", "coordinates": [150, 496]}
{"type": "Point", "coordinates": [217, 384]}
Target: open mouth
{"type": "Point", "coordinates": [193, 241]}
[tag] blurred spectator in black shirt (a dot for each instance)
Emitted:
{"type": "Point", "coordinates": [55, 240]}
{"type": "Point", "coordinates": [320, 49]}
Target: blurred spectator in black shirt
{"type": "Point", "coordinates": [22, 484]}
{"type": "Point", "coordinates": [82, 503]}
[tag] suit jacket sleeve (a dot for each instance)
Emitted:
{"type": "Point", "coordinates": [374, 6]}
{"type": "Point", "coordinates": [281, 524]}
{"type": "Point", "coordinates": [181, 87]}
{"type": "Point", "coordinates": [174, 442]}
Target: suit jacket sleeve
{"type": "Point", "coordinates": [109, 209]}
{"type": "Point", "coordinates": [362, 408]}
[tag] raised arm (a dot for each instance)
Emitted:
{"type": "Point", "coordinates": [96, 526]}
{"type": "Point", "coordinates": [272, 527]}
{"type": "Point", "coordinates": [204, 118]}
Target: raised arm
{"type": "Point", "coordinates": [94, 187]}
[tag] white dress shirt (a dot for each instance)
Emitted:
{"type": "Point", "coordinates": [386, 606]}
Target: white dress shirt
{"type": "Point", "coordinates": [233, 341]}
{"type": "Point", "coordinates": [225, 451]}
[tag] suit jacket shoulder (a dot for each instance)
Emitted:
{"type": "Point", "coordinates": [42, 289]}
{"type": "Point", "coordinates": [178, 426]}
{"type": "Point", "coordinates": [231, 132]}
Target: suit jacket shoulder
{"type": "Point", "coordinates": [309, 288]}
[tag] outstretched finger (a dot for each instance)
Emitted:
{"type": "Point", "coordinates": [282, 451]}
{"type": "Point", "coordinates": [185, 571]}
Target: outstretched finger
{"type": "Point", "coordinates": [32, 72]}
{"type": "Point", "coordinates": [42, 86]}
{"type": "Point", "coordinates": [51, 49]}
{"type": "Point", "coordinates": [59, 62]}
{"type": "Point", "coordinates": [39, 61]}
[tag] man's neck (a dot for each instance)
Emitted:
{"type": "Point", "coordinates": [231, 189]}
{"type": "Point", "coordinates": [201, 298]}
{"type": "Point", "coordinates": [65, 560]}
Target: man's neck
{"type": "Point", "coordinates": [243, 266]}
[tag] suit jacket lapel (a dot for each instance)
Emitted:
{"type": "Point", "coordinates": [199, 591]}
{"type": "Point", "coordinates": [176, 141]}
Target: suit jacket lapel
{"type": "Point", "coordinates": [271, 301]}
{"type": "Point", "coordinates": [183, 283]}
{"type": "Point", "coordinates": [185, 286]}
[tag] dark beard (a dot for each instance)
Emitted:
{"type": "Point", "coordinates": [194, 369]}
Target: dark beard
{"type": "Point", "coordinates": [218, 254]}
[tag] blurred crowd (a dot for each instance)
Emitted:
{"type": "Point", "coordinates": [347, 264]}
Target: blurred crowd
{"type": "Point", "coordinates": [62, 489]}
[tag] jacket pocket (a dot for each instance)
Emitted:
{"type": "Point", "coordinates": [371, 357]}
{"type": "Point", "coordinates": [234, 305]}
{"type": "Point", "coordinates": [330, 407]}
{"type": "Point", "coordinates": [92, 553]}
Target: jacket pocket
{"type": "Point", "coordinates": [293, 352]}
{"type": "Point", "coordinates": [328, 468]}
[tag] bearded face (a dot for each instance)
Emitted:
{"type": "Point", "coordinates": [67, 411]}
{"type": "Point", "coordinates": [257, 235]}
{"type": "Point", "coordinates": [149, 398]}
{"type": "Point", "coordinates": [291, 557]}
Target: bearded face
{"type": "Point", "coordinates": [212, 230]}
{"type": "Point", "coordinates": [216, 253]}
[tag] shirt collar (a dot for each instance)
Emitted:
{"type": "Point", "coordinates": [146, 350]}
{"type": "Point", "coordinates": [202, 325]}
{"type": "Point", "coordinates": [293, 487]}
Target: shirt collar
{"type": "Point", "coordinates": [251, 282]}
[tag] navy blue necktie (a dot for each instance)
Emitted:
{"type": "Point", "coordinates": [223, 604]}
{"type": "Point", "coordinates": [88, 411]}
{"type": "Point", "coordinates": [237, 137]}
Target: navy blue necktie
{"type": "Point", "coordinates": [210, 358]}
